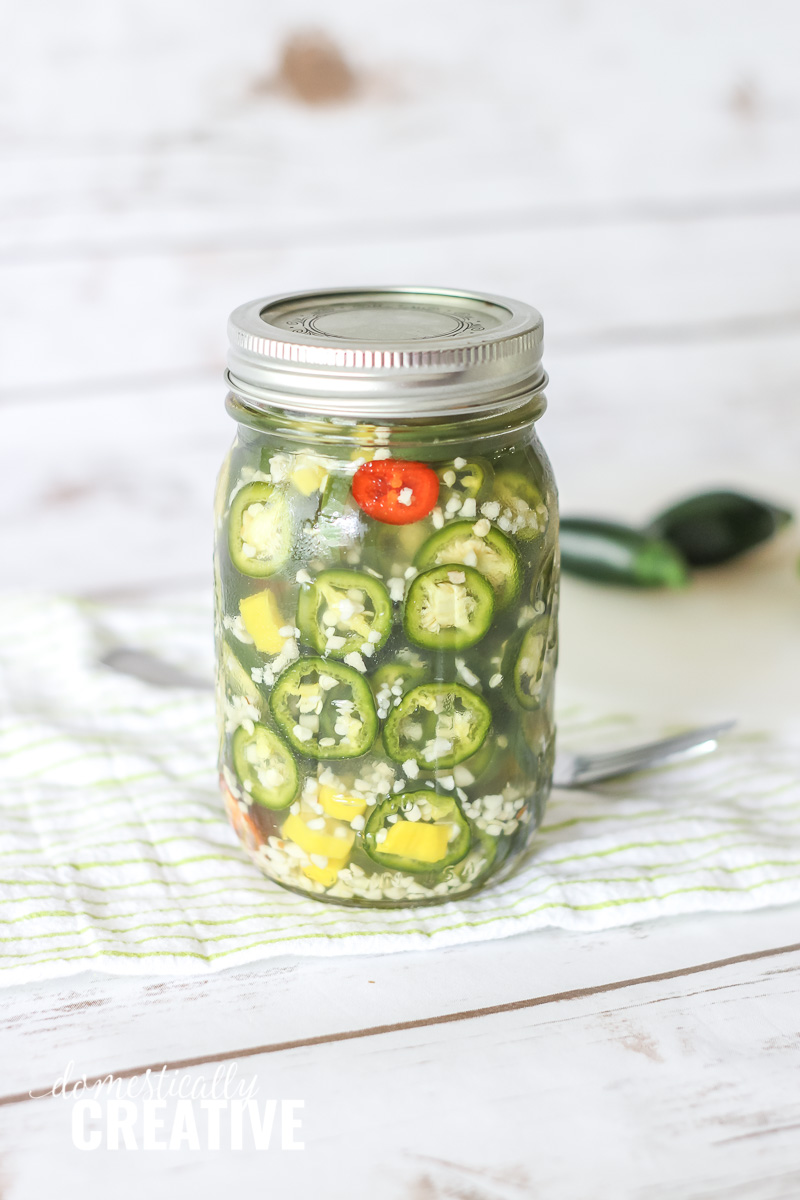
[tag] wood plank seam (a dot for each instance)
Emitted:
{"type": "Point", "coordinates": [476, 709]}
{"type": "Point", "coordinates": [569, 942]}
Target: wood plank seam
{"type": "Point", "coordinates": [419, 1023]}
{"type": "Point", "coordinates": [513, 221]}
{"type": "Point", "coordinates": [758, 1133]}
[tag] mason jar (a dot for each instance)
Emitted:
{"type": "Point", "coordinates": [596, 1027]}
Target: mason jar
{"type": "Point", "coordinates": [386, 588]}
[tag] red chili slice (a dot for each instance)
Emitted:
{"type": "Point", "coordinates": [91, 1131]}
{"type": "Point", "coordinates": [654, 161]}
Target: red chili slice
{"type": "Point", "coordinates": [395, 492]}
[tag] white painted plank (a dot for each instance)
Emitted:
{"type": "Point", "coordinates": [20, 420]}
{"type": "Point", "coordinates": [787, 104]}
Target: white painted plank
{"type": "Point", "coordinates": [132, 107]}
{"type": "Point", "coordinates": [104, 1023]}
{"type": "Point", "coordinates": [69, 323]}
{"type": "Point", "coordinates": [665, 1093]}
{"type": "Point", "coordinates": [99, 229]}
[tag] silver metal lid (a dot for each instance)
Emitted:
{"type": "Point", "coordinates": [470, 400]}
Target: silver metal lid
{"type": "Point", "coordinates": [385, 352]}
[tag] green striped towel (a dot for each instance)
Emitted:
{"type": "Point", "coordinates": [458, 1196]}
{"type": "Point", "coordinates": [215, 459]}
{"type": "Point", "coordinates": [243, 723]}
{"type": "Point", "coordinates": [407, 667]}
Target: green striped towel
{"type": "Point", "coordinates": [115, 853]}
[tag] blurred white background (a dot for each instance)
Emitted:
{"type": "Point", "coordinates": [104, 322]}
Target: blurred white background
{"type": "Point", "coordinates": [631, 169]}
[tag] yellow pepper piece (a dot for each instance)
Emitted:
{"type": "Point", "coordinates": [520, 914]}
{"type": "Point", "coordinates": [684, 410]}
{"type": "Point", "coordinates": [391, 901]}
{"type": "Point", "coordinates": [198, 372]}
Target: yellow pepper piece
{"type": "Point", "coordinates": [324, 875]}
{"type": "Point", "coordinates": [417, 840]}
{"type": "Point", "coordinates": [262, 620]}
{"type": "Point", "coordinates": [319, 841]}
{"type": "Point", "coordinates": [308, 476]}
{"type": "Point", "coordinates": [339, 804]}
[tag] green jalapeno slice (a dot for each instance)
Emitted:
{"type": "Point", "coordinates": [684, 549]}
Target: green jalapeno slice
{"type": "Point", "coordinates": [234, 679]}
{"type": "Point", "coordinates": [260, 529]}
{"type": "Point", "coordinates": [463, 479]}
{"type": "Point", "coordinates": [437, 725]}
{"type": "Point", "coordinates": [528, 661]}
{"type": "Point", "coordinates": [490, 552]}
{"type": "Point", "coordinates": [342, 612]}
{"type": "Point", "coordinates": [522, 504]}
{"type": "Point", "coordinates": [265, 767]}
{"type": "Point", "coordinates": [398, 675]}
{"type": "Point", "coordinates": [448, 608]}
{"type": "Point", "coordinates": [325, 709]}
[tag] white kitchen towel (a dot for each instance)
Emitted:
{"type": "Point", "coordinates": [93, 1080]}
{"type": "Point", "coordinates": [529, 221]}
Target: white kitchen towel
{"type": "Point", "coordinates": [115, 853]}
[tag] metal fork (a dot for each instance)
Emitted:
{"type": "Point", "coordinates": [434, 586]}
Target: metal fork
{"type": "Point", "coordinates": [578, 770]}
{"type": "Point", "coordinates": [571, 770]}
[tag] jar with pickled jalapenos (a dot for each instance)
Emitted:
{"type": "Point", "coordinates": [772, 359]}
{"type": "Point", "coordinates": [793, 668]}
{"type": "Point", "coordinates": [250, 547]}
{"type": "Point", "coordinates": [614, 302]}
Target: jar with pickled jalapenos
{"type": "Point", "coordinates": [386, 570]}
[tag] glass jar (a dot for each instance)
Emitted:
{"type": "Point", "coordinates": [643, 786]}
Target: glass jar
{"type": "Point", "coordinates": [386, 592]}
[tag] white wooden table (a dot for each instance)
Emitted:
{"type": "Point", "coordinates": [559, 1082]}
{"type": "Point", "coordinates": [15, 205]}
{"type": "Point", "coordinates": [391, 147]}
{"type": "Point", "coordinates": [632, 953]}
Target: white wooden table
{"type": "Point", "coordinates": [633, 171]}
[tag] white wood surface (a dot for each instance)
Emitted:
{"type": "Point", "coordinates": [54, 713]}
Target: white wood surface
{"type": "Point", "coordinates": [154, 314]}
{"type": "Point", "coordinates": [587, 1094]}
{"type": "Point", "coordinates": [292, 1000]}
{"type": "Point", "coordinates": [633, 170]}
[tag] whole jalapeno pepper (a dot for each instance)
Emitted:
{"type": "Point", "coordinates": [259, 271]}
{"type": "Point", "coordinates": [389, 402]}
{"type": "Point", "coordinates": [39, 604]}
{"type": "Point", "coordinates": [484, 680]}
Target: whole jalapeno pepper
{"type": "Point", "coordinates": [714, 527]}
{"type": "Point", "coordinates": [612, 553]}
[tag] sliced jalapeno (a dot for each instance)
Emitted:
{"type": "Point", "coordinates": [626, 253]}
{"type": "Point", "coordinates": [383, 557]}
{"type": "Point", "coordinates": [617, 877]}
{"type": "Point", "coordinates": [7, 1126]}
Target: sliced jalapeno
{"type": "Point", "coordinates": [398, 675]}
{"type": "Point", "coordinates": [522, 504]}
{"type": "Point", "coordinates": [266, 767]}
{"type": "Point", "coordinates": [528, 660]}
{"type": "Point", "coordinates": [391, 548]}
{"type": "Point", "coordinates": [234, 678]}
{"type": "Point", "coordinates": [476, 865]}
{"type": "Point", "coordinates": [612, 553]}
{"type": "Point", "coordinates": [542, 587]}
{"type": "Point", "coordinates": [479, 765]}
{"type": "Point", "coordinates": [493, 554]}
{"type": "Point", "coordinates": [239, 702]}
{"type": "Point", "coordinates": [344, 611]}
{"type": "Point", "coordinates": [715, 527]}
{"type": "Point", "coordinates": [221, 493]}
{"type": "Point", "coordinates": [448, 608]}
{"type": "Point", "coordinates": [325, 709]}
{"type": "Point", "coordinates": [463, 478]}
{"type": "Point", "coordinates": [437, 725]}
{"type": "Point", "coordinates": [537, 730]}
{"type": "Point", "coordinates": [260, 529]}
{"type": "Point", "coordinates": [419, 832]}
